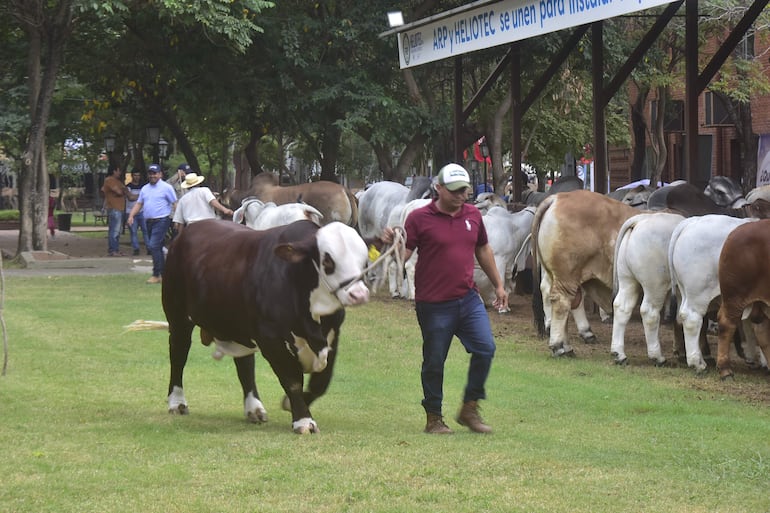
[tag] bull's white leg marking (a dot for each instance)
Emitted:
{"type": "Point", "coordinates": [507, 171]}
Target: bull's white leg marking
{"type": "Point", "coordinates": [177, 402]}
{"type": "Point", "coordinates": [304, 426]}
{"type": "Point", "coordinates": [254, 410]}
{"type": "Point", "coordinates": [309, 361]}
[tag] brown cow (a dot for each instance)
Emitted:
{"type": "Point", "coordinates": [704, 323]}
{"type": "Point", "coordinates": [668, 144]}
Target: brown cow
{"type": "Point", "coordinates": [334, 201]}
{"type": "Point", "coordinates": [573, 242]}
{"type": "Point", "coordinates": [744, 280]}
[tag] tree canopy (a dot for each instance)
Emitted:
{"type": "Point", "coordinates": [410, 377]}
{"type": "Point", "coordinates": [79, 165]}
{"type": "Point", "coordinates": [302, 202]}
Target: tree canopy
{"type": "Point", "coordinates": [306, 89]}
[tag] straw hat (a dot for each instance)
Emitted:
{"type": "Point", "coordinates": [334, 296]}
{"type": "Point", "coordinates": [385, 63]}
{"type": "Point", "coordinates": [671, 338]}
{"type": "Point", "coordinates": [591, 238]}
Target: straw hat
{"type": "Point", "coordinates": [191, 180]}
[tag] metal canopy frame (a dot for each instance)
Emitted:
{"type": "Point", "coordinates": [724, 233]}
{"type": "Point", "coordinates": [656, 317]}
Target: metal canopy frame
{"type": "Point", "coordinates": [695, 83]}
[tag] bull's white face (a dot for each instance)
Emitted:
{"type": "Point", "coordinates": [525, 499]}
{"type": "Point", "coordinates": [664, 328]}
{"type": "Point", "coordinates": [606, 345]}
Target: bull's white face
{"type": "Point", "coordinates": [343, 257]}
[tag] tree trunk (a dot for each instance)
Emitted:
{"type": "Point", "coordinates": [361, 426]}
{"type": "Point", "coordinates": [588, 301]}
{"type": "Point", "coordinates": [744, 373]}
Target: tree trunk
{"type": "Point", "coordinates": [48, 30]}
{"type": "Point", "coordinates": [638, 133]}
{"type": "Point", "coordinates": [658, 139]}
{"type": "Point", "coordinates": [330, 145]}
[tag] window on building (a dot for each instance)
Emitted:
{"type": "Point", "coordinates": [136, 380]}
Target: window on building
{"type": "Point", "coordinates": [716, 110]}
{"type": "Point", "coordinates": [674, 116]}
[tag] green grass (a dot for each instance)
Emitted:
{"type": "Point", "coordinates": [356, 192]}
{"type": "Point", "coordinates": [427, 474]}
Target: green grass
{"type": "Point", "coordinates": [84, 424]}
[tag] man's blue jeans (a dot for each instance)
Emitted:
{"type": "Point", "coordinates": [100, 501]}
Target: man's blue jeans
{"type": "Point", "coordinates": [466, 318]}
{"type": "Point", "coordinates": [114, 224]}
{"type": "Point", "coordinates": [156, 235]}
{"type": "Point", "coordinates": [133, 229]}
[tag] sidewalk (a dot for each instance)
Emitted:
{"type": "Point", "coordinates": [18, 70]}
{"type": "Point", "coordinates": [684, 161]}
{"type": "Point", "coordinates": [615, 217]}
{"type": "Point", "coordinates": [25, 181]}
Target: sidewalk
{"type": "Point", "coordinates": [70, 253]}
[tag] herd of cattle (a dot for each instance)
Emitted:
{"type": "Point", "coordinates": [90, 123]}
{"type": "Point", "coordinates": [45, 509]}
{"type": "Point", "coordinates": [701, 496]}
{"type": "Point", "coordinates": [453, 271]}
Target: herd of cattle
{"type": "Point", "coordinates": [283, 289]}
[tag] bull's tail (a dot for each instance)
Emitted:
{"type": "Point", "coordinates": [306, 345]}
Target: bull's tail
{"type": "Point", "coordinates": [142, 325]}
{"type": "Point", "coordinates": [627, 227]}
{"type": "Point", "coordinates": [538, 312]}
{"type": "Point", "coordinates": [671, 246]}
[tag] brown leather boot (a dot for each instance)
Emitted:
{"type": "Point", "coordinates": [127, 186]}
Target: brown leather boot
{"type": "Point", "coordinates": [470, 418]}
{"type": "Point", "coordinates": [436, 426]}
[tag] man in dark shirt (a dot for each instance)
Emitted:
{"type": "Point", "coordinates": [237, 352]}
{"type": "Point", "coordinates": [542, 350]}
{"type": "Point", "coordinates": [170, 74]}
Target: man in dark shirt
{"type": "Point", "coordinates": [449, 233]}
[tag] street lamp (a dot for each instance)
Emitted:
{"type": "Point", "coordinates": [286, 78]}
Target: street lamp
{"type": "Point", "coordinates": [162, 151]}
{"type": "Point", "coordinates": [485, 153]}
{"type": "Point", "coordinates": [109, 143]}
{"type": "Point", "coordinates": [153, 136]}
{"type": "Point", "coordinates": [109, 146]}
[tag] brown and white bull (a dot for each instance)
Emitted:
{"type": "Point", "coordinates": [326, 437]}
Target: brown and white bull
{"type": "Point", "coordinates": [744, 280]}
{"type": "Point", "coordinates": [281, 291]}
{"type": "Point", "coordinates": [573, 245]}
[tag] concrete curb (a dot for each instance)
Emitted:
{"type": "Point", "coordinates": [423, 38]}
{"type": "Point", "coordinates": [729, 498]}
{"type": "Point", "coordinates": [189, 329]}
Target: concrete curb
{"type": "Point", "coordinates": [53, 260]}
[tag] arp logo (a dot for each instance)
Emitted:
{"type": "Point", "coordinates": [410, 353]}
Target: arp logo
{"type": "Point", "coordinates": [406, 48]}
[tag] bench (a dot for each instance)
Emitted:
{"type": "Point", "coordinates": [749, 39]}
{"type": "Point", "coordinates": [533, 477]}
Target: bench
{"type": "Point", "coordinates": [99, 216]}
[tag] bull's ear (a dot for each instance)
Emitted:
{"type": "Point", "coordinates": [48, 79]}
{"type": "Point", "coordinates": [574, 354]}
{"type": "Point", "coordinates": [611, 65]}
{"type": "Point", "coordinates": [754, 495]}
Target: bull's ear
{"type": "Point", "coordinates": [294, 252]}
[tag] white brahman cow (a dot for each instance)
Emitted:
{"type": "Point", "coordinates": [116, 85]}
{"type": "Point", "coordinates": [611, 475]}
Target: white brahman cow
{"type": "Point", "coordinates": [507, 233]}
{"type": "Point", "coordinates": [258, 215]}
{"type": "Point", "coordinates": [693, 259]}
{"type": "Point", "coordinates": [401, 280]}
{"type": "Point", "coordinates": [641, 265]}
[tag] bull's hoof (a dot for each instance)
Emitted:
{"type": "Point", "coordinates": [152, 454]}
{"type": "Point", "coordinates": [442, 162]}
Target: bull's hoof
{"type": "Point", "coordinates": [701, 372]}
{"type": "Point", "coordinates": [659, 363]}
{"type": "Point", "coordinates": [504, 310]}
{"type": "Point", "coordinates": [589, 339]}
{"type": "Point", "coordinates": [180, 409]}
{"type": "Point", "coordinates": [559, 352]}
{"type": "Point", "coordinates": [305, 427]}
{"type": "Point", "coordinates": [257, 417]}
{"type": "Point", "coordinates": [623, 362]}
{"type": "Point", "coordinates": [726, 375]}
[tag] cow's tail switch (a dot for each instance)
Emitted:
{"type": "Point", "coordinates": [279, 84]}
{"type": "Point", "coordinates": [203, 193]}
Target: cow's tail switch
{"type": "Point", "coordinates": [142, 325]}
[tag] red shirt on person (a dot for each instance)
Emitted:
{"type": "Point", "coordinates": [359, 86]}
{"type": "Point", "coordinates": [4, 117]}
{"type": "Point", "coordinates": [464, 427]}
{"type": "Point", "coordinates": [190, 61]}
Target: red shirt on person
{"type": "Point", "coordinates": [446, 246]}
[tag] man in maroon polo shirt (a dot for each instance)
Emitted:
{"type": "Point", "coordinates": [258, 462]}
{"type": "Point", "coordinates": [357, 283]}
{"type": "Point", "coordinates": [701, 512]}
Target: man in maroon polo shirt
{"type": "Point", "coordinates": [448, 233]}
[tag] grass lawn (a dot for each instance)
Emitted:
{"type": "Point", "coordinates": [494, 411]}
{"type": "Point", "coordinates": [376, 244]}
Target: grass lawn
{"type": "Point", "coordinates": [85, 427]}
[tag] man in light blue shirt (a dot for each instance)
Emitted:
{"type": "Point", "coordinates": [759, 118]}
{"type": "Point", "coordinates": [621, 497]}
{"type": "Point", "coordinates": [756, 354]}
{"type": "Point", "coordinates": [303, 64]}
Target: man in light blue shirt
{"type": "Point", "coordinates": [156, 201]}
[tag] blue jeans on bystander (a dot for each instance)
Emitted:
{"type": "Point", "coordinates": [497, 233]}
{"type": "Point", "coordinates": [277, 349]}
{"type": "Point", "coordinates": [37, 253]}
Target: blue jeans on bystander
{"type": "Point", "coordinates": [156, 235]}
{"type": "Point", "coordinates": [133, 229]}
{"type": "Point", "coordinates": [114, 223]}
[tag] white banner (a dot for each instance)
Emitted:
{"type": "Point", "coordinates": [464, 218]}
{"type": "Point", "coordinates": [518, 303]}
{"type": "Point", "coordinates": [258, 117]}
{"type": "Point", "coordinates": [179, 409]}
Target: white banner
{"type": "Point", "coordinates": [505, 22]}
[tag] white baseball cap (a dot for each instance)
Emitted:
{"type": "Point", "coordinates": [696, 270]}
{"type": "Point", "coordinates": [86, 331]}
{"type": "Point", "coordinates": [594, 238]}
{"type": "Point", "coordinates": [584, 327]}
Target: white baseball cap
{"type": "Point", "coordinates": [454, 177]}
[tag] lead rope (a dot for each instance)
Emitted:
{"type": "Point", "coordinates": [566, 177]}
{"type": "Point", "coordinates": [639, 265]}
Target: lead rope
{"type": "Point", "coordinates": [397, 246]}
